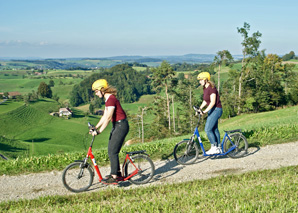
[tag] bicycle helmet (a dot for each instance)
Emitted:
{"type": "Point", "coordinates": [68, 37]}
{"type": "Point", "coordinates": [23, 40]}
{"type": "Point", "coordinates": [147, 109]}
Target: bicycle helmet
{"type": "Point", "coordinates": [204, 76]}
{"type": "Point", "coordinates": [99, 84]}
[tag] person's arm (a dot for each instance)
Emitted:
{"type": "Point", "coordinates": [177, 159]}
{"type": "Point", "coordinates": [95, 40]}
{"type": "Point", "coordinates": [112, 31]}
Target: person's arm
{"type": "Point", "coordinates": [204, 103]}
{"type": "Point", "coordinates": [212, 103]}
{"type": "Point", "coordinates": [108, 116]}
{"type": "Point", "coordinates": [101, 120]}
{"type": "Point", "coordinates": [104, 121]}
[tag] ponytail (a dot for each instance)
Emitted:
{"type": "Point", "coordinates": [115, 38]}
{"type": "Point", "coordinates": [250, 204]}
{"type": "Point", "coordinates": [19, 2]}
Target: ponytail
{"type": "Point", "coordinates": [110, 90]}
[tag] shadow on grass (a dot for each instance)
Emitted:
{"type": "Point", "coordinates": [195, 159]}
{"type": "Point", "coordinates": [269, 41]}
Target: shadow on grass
{"type": "Point", "coordinates": [8, 148]}
{"type": "Point", "coordinates": [37, 140]}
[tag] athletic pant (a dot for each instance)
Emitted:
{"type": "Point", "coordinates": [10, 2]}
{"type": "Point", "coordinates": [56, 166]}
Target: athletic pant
{"type": "Point", "coordinates": [117, 136]}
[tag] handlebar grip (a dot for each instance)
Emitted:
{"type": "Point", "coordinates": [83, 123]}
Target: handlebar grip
{"type": "Point", "coordinates": [91, 126]}
{"type": "Point", "coordinates": [197, 109]}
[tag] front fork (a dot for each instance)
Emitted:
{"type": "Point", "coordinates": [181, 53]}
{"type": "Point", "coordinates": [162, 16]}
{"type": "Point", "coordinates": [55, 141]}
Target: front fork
{"type": "Point", "coordinates": [90, 154]}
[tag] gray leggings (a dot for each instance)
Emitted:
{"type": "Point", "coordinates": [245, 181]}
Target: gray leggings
{"type": "Point", "coordinates": [117, 136]}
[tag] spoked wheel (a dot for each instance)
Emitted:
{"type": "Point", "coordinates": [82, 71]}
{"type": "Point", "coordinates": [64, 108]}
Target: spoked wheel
{"type": "Point", "coordinates": [77, 177]}
{"type": "Point", "coordinates": [239, 141]}
{"type": "Point", "coordinates": [186, 152]}
{"type": "Point", "coordinates": [145, 166]}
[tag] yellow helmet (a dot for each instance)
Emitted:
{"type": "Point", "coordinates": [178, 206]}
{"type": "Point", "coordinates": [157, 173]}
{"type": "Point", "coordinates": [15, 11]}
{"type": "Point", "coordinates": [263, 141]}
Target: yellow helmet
{"type": "Point", "coordinates": [99, 84]}
{"type": "Point", "coordinates": [204, 76]}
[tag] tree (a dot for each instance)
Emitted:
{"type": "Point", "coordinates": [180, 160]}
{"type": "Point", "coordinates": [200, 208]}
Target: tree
{"type": "Point", "coordinates": [6, 94]}
{"type": "Point", "coordinates": [51, 83]}
{"type": "Point", "coordinates": [266, 86]}
{"type": "Point", "coordinates": [91, 108]}
{"type": "Point", "coordinates": [185, 99]}
{"type": "Point", "coordinates": [223, 57]}
{"type": "Point", "coordinates": [229, 94]}
{"type": "Point", "coordinates": [288, 56]}
{"type": "Point", "coordinates": [26, 99]}
{"type": "Point", "coordinates": [250, 50]}
{"type": "Point", "coordinates": [44, 90]}
{"type": "Point", "coordinates": [161, 78]}
{"type": "Point", "coordinates": [33, 96]}
{"type": "Point", "coordinates": [55, 97]}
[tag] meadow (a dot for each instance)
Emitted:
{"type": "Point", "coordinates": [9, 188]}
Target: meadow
{"type": "Point", "coordinates": [62, 87]}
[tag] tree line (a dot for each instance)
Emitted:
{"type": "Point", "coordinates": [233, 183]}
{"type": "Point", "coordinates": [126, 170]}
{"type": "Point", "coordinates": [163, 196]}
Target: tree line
{"type": "Point", "coordinates": [131, 85]}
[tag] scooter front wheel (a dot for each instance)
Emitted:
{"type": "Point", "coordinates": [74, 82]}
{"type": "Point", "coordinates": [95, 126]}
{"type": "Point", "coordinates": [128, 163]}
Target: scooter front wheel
{"type": "Point", "coordinates": [77, 177]}
{"type": "Point", "coordinates": [186, 152]}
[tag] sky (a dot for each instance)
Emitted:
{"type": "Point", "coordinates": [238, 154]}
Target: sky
{"type": "Point", "coordinates": [101, 28]}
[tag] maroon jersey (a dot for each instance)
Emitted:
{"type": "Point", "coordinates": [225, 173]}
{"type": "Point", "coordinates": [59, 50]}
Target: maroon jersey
{"type": "Point", "coordinates": [206, 97]}
{"type": "Point", "coordinates": [119, 113]}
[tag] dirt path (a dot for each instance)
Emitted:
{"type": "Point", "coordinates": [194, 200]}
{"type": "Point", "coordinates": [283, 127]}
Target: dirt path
{"type": "Point", "coordinates": [42, 184]}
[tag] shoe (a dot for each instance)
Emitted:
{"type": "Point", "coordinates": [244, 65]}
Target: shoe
{"type": "Point", "coordinates": [108, 176]}
{"type": "Point", "coordinates": [213, 150]}
{"type": "Point", "coordinates": [110, 180]}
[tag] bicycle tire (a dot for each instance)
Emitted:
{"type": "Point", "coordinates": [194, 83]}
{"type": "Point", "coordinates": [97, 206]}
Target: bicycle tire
{"type": "Point", "coordinates": [77, 177]}
{"type": "Point", "coordinates": [145, 166]}
{"type": "Point", "coordinates": [186, 152]}
{"type": "Point", "coordinates": [241, 145]}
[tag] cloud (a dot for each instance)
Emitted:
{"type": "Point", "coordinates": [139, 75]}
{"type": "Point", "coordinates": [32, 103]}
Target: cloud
{"type": "Point", "coordinates": [20, 43]}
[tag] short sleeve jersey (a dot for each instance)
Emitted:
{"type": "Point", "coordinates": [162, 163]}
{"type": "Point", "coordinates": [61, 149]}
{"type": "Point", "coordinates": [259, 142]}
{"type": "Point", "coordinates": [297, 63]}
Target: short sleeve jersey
{"type": "Point", "coordinates": [206, 97]}
{"type": "Point", "coordinates": [119, 113]}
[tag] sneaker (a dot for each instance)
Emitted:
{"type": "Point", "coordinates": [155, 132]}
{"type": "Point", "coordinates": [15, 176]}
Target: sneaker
{"type": "Point", "coordinates": [213, 150]}
{"type": "Point", "coordinates": [108, 176]}
{"type": "Point", "coordinates": [110, 180]}
{"type": "Point", "coordinates": [118, 175]}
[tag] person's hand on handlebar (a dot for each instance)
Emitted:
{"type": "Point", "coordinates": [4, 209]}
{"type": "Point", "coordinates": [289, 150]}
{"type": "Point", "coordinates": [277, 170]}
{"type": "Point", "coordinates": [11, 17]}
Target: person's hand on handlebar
{"type": "Point", "coordinates": [201, 112]}
{"type": "Point", "coordinates": [94, 132]}
{"type": "Point", "coordinates": [198, 110]}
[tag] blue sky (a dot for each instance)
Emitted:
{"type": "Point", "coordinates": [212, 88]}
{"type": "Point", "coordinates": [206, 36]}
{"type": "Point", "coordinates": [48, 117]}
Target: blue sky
{"type": "Point", "coordinates": [97, 28]}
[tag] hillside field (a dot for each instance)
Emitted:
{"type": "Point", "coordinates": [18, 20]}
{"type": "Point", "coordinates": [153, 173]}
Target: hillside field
{"type": "Point", "coordinates": [31, 131]}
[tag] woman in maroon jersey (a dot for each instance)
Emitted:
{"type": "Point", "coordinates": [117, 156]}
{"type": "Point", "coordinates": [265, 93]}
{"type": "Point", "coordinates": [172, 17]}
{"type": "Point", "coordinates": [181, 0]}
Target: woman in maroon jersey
{"type": "Point", "coordinates": [113, 112]}
{"type": "Point", "coordinates": [211, 101]}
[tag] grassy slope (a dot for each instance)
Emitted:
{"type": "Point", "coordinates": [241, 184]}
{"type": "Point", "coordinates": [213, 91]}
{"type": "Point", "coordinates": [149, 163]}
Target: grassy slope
{"type": "Point", "coordinates": [264, 119]}
{"type": "Point", "coordinates": [43, 134]}
{"type": "Point", "coordinates": [38, 133]}
{"type": "Point", "coordinates": [25, 86]}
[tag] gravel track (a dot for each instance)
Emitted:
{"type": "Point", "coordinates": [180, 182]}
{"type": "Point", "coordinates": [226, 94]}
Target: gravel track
{"type": "Point", "coordinates": [36, 185]}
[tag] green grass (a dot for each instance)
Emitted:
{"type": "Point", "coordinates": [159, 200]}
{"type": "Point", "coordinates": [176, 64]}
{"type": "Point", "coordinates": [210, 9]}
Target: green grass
{"type": "Point", "coordinates": [66, 72]}
{"type": "Point", "coordinates": [25, 86]}
{"type": "Point", "coordinates": [260, 191]}
{"type": "Point", "coordinates": [43, 134]}
{"type": "Point", "coordinates": [15, 82]}
{"type": "Point", "coordinates": [285, 116]}
{"type": "Point", "coordinates": [140, 68]}
{"type": "Point", "coordinates": [8, 106]}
